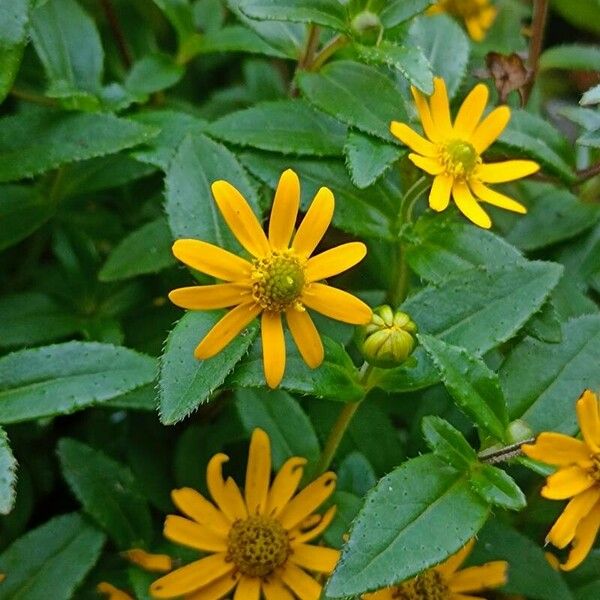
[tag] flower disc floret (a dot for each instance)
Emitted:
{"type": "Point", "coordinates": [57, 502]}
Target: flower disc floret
{"type": "Point", "coordinates": [459, 158]}
{"type": "Point", "coordinates": [278, 281]}
{"type": "Point", "coordinates": [258, 545]}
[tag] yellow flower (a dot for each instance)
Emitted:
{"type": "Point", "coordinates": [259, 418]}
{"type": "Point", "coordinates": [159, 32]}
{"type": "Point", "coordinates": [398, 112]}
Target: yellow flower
{"type": "Point", "coordinates": [281, 277]}
{"type": "Point", "coordinates": [257, 541]}
{"type": "Point", "coordinates": [111, 592]}
{"type": "Point", "coordinates": [577, 478]}
{"type": "Point", "coordinates": [452, 152]}
{"type": "Point", "coordinates": [445, 582]}
{"type": "Point", "coordinates": [478, 15]}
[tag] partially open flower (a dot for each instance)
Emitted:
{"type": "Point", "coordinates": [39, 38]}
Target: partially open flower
{"type": "Point", "coordinates": [478, 15]}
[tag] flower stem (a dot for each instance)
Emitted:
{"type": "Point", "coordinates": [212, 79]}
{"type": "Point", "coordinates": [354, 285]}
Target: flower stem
{"type": "Point", "coordinates": [341, 425]}
{"type": "Point", "coordinates": [538, 25]}
{"type": "Point", "coordinates": [117, 32]}
{"type": "Point", "coordinates": [504, 454]}
{"type": "Point", "coordinates": [339, 41]}
{"type": "Point", "coordinates": [312, 43]}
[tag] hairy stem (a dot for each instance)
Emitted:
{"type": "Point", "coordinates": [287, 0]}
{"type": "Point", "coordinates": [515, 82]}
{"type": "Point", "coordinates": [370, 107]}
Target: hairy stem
{"type": "Point", "coordinates": [538, 26]}
{"type": "Point", "coordinates": [504, 454]}
{"type": "Point", "coordinates": [337, 42]}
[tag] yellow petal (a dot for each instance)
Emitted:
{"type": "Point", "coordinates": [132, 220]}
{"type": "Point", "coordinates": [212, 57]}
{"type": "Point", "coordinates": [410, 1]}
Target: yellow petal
{"type": "Point", "coordinates": [468, 206]}
{"type": "Point", "coordinates": [226, 329]}
{"type": "Point", "coordinates": [285, 210]}
{"type": "Point", "coordinates": [475, 579]}
{"type": "Point", "coordinates": [226, 494]}
{"type": "Point", "coordinates": [315, 558]}
{"type": "Point", "coordinates": [425, 116]}
{"type": "Point", "coordinates": [192, 577]}
{"type": "Point", "coordinates": [427, 164]}
{"type": "Point", "coordinates": [285, 484]}
{"type": "Point", "coordinates": [490, 128]}
{"type": "Point", "coordinates": [308, 500]}
{"type": "Point", "coordinates": [206, 297]}
{"type": "Point", "coordinates": [216, 589]}
{"type": "Point", "coordinates": [412, 139]}
{"type": "Point", "coordinates": [490, 196]}
{"type": "Point", "coordinates": [508, 170]}
{"type": "Point", "coordinates": [315, 223]}
{"type": "Point", "coordinates": [336, 304]}
{"type": "Point", "coordinates": [303, 535]}
{"type": "Point", "coordinates": [334, 261]}
{"type": "Point", "coordinates": [589, 419]}
{"type": "Point", "coordinates": [567, 482]}
{"type": "Point", "coordinates": [211, 260]}
{"type": "Point", "coordinates": [158, 563]}
{"type": "Point", "coordinates": [273, 589]}
{"type": "Point", "coordinates": [110, 591]}
{"type": "Point", "coordinates": [197, 507]}
{"type": "Point", "coordinates": [476, 31]}
{"type": "Point", "coordinates": [193, 535]}
{"type": "Point", "coordinates": [439, 196]}
{"type": "Point", "coordinates": [450, 565]}
{"type": "Point", "coordinates": [258, 472]}
{"type": "Point", "coordinates": [584, 539]}
{"type": "Point", "coordinates": [471, 111]}
{"type": "Point", "coordinates": [565, 528]}
{"type": "Point", "coordinates": [306, 336]}
{"type": "Point", "coordinates": [557, 449]}
{"type": "Point", "coordinates": [248, 589]}
{"type": "Point", "coordinates": [440, 108]}
{"type": "Point", "coordinates": [273, 347]}
{"type": "Point", "coordinates": [466, 597]}
{"type": "Point", "coordinates": [241, 219]}
{"type": "Point", "coordinates": [302, 584]}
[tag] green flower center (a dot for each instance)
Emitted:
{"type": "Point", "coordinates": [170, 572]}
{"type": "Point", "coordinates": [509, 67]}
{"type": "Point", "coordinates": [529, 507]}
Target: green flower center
{"type": "Point", "coordinates": [459, 158]}
{"type": "Point", "coordinates": [427, 586]}
{"type": "Point", "coordinates": [257, 545]}
{"type": "Point", "coordinates": [278, 280]}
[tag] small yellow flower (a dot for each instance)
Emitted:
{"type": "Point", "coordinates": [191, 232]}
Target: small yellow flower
{"type": "Point", "coordinates": [577, 478]}
{"type": "Point", "coordinates": [111, 592]}
{"type": "Point", "coordinates": [445, 582]}
{"type": "Point", "coordinates": [281, 277]}
{"type": "Point", "coordinates": [478, 15]}
{"type": "Point", "coordinates": [452, 152]}
{"type": "Point", "coordinates": [257, 541]}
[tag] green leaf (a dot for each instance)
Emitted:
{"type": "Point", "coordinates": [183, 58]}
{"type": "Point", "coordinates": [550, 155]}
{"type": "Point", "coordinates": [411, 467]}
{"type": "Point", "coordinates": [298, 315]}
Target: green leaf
{"type": "Point", "coordinates": [64, 378]}
{"type": "Point", "coordinates": [477, 310]}
{"type": "Point", "coordinates": [68, 43]}
{"type": "Point", "coordinates": [235, 38]}
{"type": "Point", "coordinates": [445, 45]}
{"type": "Point", "coordinates": [22, 211]}
{"type": "Point", "coordinates": [437, 248]}
{"type": "Point", "coordinates": [545, 325]}
{"type": "Point", "coordinates": [355, 474]}
{"type": "Point", "coordinates": [398, 11]}
{"type": "Point", "coordinates": [145, 250]}
{"type": "Point", "coordinates": [281, 416]}
{"type": "Point", "coordinates": [447, 443]}
{"type": "Point", "coordinates": [8, 475]}
{"type": "Point", "coordinates": [370, 212]}
{"type": "Point", "coordinates": [108, 492]}
{"type": "Point", "coordinates": [386, 543]}
{"type": "Point", "coordinates": [497, 487]}
{"type": "Point", "coordinates": [181, 16]}
{"type": "Point", "coordinates": [153, 73]}
{"type": "Point", "coordinates": [533, 137]}
{"type": "Point", "coordinates": [571, 56]}
{"type": "Point", "coordinates": [498, 541]}
{"type": "Point", "coordinates": [591, 139]}
{"type": "Point", "coordinates": [190, 207]}
{"type": "Point", "coordinates": [368, 158]}
{"type": "Point", "coordinates": [588, 118]}
{"type": "Point", "coordinates": [409, 61]}
{"type": "Point", "coordinates": [344, 89]}
{"type": "Point", "coordinates": [542, 381]}
{"type": "Point", "coordinates": [184, 381]}
{"type": "Point", "coordinates": [286, 126]}
{"type": "Point", "coordinates": [173, 127]}
{"type": "Point", "coordinates": [51, 560]}
{"type": "Point", "coordinates": [34, 143]}
{"type": "Point", "coordinates": [30, 318]}
{"type": "Point", "coordinates": [347, 506]}
{"type": "Point", "coordinates": [583, 15]}
{"type": "Point", "coordinates": [591, 97]}
{"type": "Point", "coordinates": [474, 387]}
{"type": "Point", "coordinates": [14, 21]}
{"type": "Point", "coordinates": [319, 12]}
{"type": "Point", "coordinates": [554, 215]}
{"type": "Point", "coordinates": [336, 378]}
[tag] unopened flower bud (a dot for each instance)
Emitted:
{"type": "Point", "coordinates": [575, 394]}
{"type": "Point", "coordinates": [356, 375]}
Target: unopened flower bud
{"type": "Point", "coordinates": [519, 431]}
{"type": "Point", "coordinates": [388, 340]}
{"type": "Point", "coordinates": [367, 27]}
